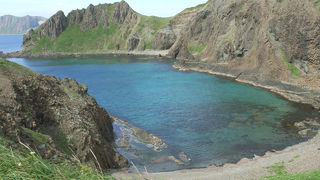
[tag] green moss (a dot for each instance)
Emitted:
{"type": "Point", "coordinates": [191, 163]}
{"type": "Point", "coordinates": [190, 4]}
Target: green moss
{"type": "Point", "coordinates": [38, 136]}
{"type": "Point", "coordinates": [17, 165]}
{"type": "Point", "coordinates": [292, 68]}
{"type": "Point", "coordinates": [196, 47]}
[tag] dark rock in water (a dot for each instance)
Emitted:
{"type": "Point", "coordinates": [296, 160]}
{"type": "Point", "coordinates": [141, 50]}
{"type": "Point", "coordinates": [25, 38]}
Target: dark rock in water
{"type": "Point", "coordinates": [133, 42]}
{"type": "Point", "coordinates": [62, 114]}
{"type": "Point", "coordinates": [184, 157]}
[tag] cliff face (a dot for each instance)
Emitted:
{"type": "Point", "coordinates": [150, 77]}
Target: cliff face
{"type": "Point", "coordinates": [55, 117]}
{"type": "Point", "coordinates": [94, 29]}
{"type": "Point", "coordinates": [262, 42]}
{"type": "Point", "coordinates": [19, 25]}
{"type": "Point", "coordinates": [267, 39]}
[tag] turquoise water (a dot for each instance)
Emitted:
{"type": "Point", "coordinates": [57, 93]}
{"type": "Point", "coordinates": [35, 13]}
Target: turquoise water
{"type": "Point", "coordinates": [10, 43]}
{"type": "Point", "coordinates": [214, 120]}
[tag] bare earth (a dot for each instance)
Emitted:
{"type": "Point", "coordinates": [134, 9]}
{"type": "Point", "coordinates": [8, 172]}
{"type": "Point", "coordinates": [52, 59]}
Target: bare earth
{"type": "Point", "coordinates": [302, 157]}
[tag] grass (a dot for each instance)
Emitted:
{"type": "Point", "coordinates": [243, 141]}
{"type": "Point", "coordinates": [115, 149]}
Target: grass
{"type": "Point", "coordinates": [73, 39]}
{"type": "Point", "coordinates": [195, 47]}
{"type": "Point", "coordinates": [9, 66]}
{"type": "Point", "coordinates": [38, 136]}
{"type": "Point", "coordinates": [281, 174]}
{"type": "Point", "coordinates": [28, 165]}
{"type": "Point", "coordinates": [292, 68]}
{"type": "Point", "coordinates": [155, 23]}
{"type": "Point", "coordinates": [198, 6]}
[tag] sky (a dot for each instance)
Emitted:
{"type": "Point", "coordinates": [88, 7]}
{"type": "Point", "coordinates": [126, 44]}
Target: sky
{"type": "Point", "coordinates": [46, 8]}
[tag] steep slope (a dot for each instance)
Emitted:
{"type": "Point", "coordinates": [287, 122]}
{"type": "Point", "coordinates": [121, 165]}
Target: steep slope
{"type": "Point", "coordinates": [98, 28]}
{"type": "Point", "coordinates": [19, 25]}
{"type": "Point", "coordinates": [271, 43]}
{"type": "Point", "coordinates": [56, 118]}
{"type": "Point", "coordinates": [274, 44]}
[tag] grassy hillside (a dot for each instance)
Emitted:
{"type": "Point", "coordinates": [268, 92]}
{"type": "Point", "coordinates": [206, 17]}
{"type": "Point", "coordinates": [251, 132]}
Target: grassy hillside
{"type": "Point", "coordinates": [100, 38]}
{"type": "Point", "coordinates": [28, 165]}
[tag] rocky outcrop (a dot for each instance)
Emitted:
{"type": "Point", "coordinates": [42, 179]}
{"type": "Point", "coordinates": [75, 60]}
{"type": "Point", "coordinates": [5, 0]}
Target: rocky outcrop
{"type": "Point", "coordinates": [259, 42]}
{"type": "Point", "coordinates": [19, 25]}
{"type": "Point", "coordinates": [56, 117]}
{"type": "Point", "coordinates": [133, 42]}
{"type": "Point", "coordinates": [123, 14]}
{"type": "Point", "coordinates": [164, 39]}
{"type": "Point", "coordinates": [54, 26]}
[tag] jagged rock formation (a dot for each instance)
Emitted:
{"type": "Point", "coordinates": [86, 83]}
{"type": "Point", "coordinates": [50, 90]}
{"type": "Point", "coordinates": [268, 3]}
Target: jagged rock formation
{"type": "Point", "coordinates": [19, 25]}
{"type": "Point", "coordinates": [108, 27]}
{"type": "Point", "coordinates": [55, 117]}
{"type": "Point", "coordinates": [261, 42]}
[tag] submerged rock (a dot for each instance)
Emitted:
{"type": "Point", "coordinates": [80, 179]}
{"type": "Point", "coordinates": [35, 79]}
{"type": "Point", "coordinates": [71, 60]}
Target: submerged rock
{"type": "Point", "coordinates": [184, 157]}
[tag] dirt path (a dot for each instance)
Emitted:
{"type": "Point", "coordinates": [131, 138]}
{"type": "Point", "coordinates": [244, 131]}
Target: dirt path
{"type": "Point", "coordinates": [298, 158]}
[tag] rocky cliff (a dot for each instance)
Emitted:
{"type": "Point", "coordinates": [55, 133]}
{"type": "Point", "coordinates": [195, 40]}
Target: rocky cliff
{"type": "Point", "coordinates": [260, 42]}
{"type": "Point", "coordinates": [268, 43]}
{"type": "Point", "coordinates": [98, 28]}
{"type": "Point", "coordinates": [56, 118]}
{"type": "Point", "coordinates": [19, 25]}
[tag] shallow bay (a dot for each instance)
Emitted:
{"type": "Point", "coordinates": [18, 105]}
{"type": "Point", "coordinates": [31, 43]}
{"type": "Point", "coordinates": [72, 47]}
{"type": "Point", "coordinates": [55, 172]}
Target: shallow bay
{"type": "Point", "coordinates": [213, 120]}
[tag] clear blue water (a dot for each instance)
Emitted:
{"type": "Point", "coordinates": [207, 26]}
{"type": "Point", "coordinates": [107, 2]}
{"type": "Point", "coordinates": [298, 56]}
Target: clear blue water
{"type": "Point", "coordinates": [214, 120]}
{"type": "Point", "coordinates": [10, 43]}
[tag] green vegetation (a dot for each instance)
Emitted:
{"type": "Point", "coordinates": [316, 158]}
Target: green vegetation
{"type": "Point", "coordinates": [73, 39]}
{"type": "Point", "coordinates": [198, 6]}
{"type": "Point", "coordinates": [281, 174]}
{"type": "Point", "coordinates": [196, 49]}
{"type": "Point", "coordinates": [316, 2]}
{"type": "Point", "coordinates": [38, 136]}
{"type": "Point", "coordinates": [9, 66]}
{"type": "Point", "coordinates": [280, 1]}
{"type": "Point", "coordinates": [153, 22]}
{"type": "Point", "coordinates": [293, 69]}
{"type": "Point", "coordinates": [28, 165]}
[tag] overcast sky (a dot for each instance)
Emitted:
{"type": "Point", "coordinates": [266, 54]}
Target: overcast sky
{"type": "Point", "coordinates": [47, 8]}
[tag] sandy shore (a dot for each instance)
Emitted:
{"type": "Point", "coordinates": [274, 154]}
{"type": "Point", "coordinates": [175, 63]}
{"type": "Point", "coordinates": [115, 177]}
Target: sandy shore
{"type": "Point", "coordinates": [302, 157]}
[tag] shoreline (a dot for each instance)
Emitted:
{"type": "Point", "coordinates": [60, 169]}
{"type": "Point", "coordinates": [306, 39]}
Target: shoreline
{"type": "Point", "coordinates": [298, 158]}
{"type": "Point", "coordinates": [309, 151]}
{"type": "Point", "coordinates": [305, 96]}
{"type": "Point", "coordinates": [19, 54]}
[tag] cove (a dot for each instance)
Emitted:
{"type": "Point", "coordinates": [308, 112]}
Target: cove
{"type": "Point", "coordinates": [211, 119]}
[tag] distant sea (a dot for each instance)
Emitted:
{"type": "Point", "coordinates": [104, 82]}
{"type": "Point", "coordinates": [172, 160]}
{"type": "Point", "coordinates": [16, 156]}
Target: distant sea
{"type": "Point", "coordinates": [10, 43]}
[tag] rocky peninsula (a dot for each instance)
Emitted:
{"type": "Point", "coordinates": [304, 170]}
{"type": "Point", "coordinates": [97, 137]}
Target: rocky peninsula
{"type": "Point", "coordinates": [56, 117]}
